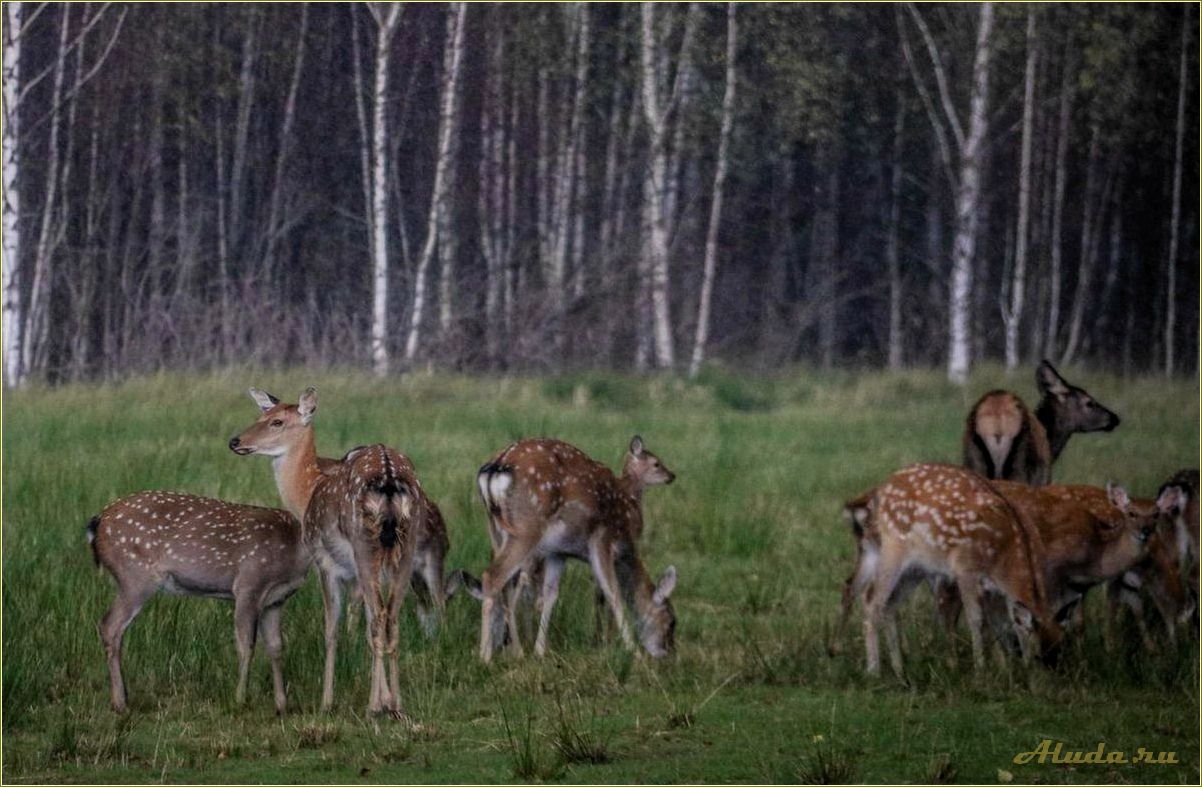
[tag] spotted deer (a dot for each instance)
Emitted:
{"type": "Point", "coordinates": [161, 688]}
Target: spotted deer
{"type": "Point", "coordinates": [285, 433]}
{"type": "Point", "coordinates": [366, 517]}
{"type": "Point", "coordinates": [547, 501]}
{"type": "Point", "coordinates": [1003, 439]}
{"type": "Point", "coordinates": [1090, 535]}
{"type": "Point", "coordinates": [199, 546]}
{"type": "Point", "coordinates": [945, 521]}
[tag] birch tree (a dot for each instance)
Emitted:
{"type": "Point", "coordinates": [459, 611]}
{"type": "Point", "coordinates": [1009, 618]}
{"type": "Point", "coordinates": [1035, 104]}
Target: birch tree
{"type": "Point", "coordinates": [1170, 312]}
{"type": "Point", "coordinates": [715, 219]}
{"type": "Point", "coordinates": [967, 177]}
{"type": "Point", "coordinates": [893, 240]}
{"type": "Point", "coordinates": [438, 218]}
{"type": "Point", "coordinates": [14, 374]}
{"type": "Point", "coordinates": [387, 17]}
{"type": "Point", "coordinates": [1012, 315]}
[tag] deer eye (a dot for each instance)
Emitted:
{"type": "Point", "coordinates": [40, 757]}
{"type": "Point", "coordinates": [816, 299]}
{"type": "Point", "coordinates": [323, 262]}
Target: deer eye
{"type": "Point", "coordinates": [277, 423]}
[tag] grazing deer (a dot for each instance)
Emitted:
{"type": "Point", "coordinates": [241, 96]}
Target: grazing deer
{"type": "Point", "coordinates": [368, 520]}
{"type": "Point", "coordinates": [285, 433]}
{"type": "Point", "coordinates": [198, 546]}
{"type": "Point", "coordinates": [547, 501]}
{"type": "Point", "coordinates": [1090, 535]}
{"type": "Point", "coordinates": [946, 521]}
{"type": "Point", "coordinates": [1002, 439]}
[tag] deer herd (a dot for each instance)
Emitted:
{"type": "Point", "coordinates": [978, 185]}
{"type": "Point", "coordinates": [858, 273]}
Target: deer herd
{"type": "Point", "coordinates": [993, 539]}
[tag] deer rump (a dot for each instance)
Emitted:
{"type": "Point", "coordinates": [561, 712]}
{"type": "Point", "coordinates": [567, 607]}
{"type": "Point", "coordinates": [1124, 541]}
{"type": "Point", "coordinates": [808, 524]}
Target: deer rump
{"type": "Point", "coordinates": [1004, 440]}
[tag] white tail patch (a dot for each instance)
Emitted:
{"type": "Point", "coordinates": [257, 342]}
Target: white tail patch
{"type": "Point", "coordinates": [498, 485]}
{"type": "Point", "coordinates": [999, 448]}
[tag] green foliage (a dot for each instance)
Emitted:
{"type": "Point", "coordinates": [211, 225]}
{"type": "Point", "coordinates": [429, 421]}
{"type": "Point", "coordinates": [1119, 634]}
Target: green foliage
{"type": "Point", "coordinates": [752, 523]}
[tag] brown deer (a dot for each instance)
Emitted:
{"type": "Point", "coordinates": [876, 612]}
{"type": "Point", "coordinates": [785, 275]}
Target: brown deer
{"type": "Point", "coordinates": [198, 546]}
{"type": "Point", "coordinates": [548, 501]}
{"type": "Point", "coordinates": [1090, 535]}
{"type": "Point", "coordinates": [941, 520]}
{"type": "Point", "coordinates": [366, 517]}
{"type": "Point", "coordinates": [1002, 439]}
{"type": "Point", "coordinates": [285, 433]}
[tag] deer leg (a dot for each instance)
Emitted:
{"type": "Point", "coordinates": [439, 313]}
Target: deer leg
{"type": "Point", "coordinates": [331, 596]}
{"type": "Point", "coordinates": [552, 570]}
{"type": "Point", "coordinates": [423, 601]}
{"type": "Point", "coordinates": [401, 580]}
{"type": "Point", "coordinates": [431, 607]}
{"type": "Point", "coordinates": [505, 564]}
{"type": "Point", "coordinates": [877, 609]}
{"type": "Point", "coordinates": [601, 630]}
{"type": "Point", "coordinates": [246, 621]}
{"type": "Point", "coordinates": [970, 596]}
{"type": "Point", "coordinates": [121, 612]}
{"type": "Point", "coordinates": [601, 559]}
{"type": "Point", "coordinates": [374, 607]}
{"type": "Point", "coordinates": [273, 641]}
{"type": "Point", "coordinates": [354, 604]}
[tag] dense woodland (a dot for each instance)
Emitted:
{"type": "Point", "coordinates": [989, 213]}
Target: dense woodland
{"type": "Point", "coordinates": [540, 187]}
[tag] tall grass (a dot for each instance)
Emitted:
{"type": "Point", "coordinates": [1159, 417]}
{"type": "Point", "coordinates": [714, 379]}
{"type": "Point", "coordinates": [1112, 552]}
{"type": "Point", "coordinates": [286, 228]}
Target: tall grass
{"type": "Point", "coordinates": [752, 524]}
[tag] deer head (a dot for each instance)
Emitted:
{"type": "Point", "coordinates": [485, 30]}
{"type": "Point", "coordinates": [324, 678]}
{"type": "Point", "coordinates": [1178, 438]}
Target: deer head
{"type": "Point", "coordinates": [279, 426]}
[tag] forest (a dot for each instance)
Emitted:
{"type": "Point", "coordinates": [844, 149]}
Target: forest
{"type": "Point", "coordinates": [549, 187]}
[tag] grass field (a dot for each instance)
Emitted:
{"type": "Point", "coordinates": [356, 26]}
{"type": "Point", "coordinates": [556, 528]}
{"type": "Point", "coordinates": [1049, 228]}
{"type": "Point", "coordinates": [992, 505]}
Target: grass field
{"type": "Point", "coordinates": [752, 523]}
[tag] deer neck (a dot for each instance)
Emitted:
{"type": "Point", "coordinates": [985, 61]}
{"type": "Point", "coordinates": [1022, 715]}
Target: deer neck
{"type": "Point", "coordinates": [1057, 435]}
{"type": "Point", "coordinates": [632, 486]}
{"type": "Point", "coordinates": [297, 474]}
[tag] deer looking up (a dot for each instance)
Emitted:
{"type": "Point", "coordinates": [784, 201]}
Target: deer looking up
{"type": "Point", "coordinates": [365, 517]}
{"type": "Point", "coordinates": [198, 546]}
{"type": "Point", "coordinates": [285, 433]}
{"type": "Point", "coordinates": [548, 501]}
{"type": "Point", "coordinates": [1003, 439]}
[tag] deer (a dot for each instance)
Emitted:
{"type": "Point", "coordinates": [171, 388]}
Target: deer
{"type": "Point", "coordinates": [946, 521]}
{"type": "Point", "coordinates": [1003, 439]}
{"type": "Point", "coordinates": [548, 501]}
{"type": "Point", "coordinates": [200, 546]}
{"type": "Point", "coordinates": [365, 518]}
{"type": "Point", "coordinates": [285, 433]}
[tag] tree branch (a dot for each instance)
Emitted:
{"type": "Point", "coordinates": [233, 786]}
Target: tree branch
{"type": "Point", "coordinates": [940, 75]}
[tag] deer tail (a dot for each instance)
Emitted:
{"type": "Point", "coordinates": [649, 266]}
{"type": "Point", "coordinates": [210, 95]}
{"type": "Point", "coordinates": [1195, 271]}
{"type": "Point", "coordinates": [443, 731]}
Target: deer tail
{"type": "Point", "coordinates": [494, 481]}
{"type": "Point", "coordinates": [94, 523]}
{"type": "Point", "coordinates": [397, 506]}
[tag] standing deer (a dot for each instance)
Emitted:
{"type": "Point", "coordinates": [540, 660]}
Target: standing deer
{"type": "Point", "coordinates": [198, 546]}
{"type": "Point", "coordinates": [946, 521]}
{"type": "Point", "coordinates": [548, 501]}
{"type": "Point", "coordinates": [1003, 439]}
{"type": "Point", "coordinates": [365, 517]}
{"type": "Point", "coordinates": [285, 433]}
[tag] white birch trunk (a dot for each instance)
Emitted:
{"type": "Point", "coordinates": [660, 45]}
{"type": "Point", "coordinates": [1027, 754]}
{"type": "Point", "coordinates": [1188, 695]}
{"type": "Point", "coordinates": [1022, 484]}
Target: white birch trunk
{"type": "Point", "coordinates": [1012, 317]}
{"type": "Point", "coordinates": [1055, 275]}
{"type": "Point", "coordinates": [14, 375]}
{"type": "Point", "coordinates": [452, 57]}
{"type": "Point", "coordinates": [959, 359]}
{"type": "Point", "coordinates": [387, 18]}
{"type": "Point", "coordinates": [715, 220]}
{"type": "Point", "coordinates": [1170, 314]}
{"type": "Point", "coordinates": [448, 239]}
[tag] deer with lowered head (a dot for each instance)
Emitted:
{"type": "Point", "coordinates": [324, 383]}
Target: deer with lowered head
{"type": "Point", "coordinates": [364, 517]}
{"type": "Point", "coordinates": [945, 521]}
{"type": "Point", "coordinates": [199, 546]}
{"type": "Point", "coordinates": [1003, 439]}
{"type": "Point", "coordinates": [547, 501]}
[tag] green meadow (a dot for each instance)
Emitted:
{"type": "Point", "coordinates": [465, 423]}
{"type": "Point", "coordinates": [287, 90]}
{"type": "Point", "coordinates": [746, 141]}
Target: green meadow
{"type": "Point", "coordinates": [752, 524]}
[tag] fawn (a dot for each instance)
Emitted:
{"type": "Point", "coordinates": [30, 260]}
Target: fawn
{"type": "Point", "coordinates": [547, 501]}
{"type": "Point", "coordinates": [198, 546]}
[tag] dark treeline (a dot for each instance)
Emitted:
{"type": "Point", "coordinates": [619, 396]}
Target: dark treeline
{"type": "Point", "coordinates": [533, 187]}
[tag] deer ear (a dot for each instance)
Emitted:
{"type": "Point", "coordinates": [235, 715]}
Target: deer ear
{"type": "Point", "coordinates": [265, 400]}
{"type": "Point", "coordinates": [1171, 500]}
{"type": "Point", "coordinates": [636, 445]}
{"type": "Point", "coordinates": [1118, 496]}
{"type": "Point", "coordinates": [1022, 616]}
{"type": "Point", "coordinates": [1050, 381]}
{"type": "Point", "coordinates": [665, 586]}
{"type": "Point", "coordinates": [307, 405]}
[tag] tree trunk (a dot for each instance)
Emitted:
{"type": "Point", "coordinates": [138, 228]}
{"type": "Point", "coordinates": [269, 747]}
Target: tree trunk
{"type": "Point", "coordinates": [274, 227]}
{"type": "Point", "coordinates": [1012, 317]}
{"type": "Point", "coordinates": [1085, 267]}
{"type": "Point", "coordinates": [893, 240]}
{"type": "Point", "coordinates": [14, 374]}
{"type": "Point", "coordinates": [967, 206]}
{"type": "Point", "coordinates": [437, 220]}
{"type": "Point", "coordinates": [1057, 239]}
{"type": "Point", "coordinates": [711, 233]}
{"type": "Point", "coordinates": [1170, 314]}
{"type": "Point", "coordinates": [387, 18]}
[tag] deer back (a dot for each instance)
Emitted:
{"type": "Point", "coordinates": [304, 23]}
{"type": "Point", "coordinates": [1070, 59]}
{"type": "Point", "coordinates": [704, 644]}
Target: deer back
{"type": "Point", "coordinates": [198, 545]}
